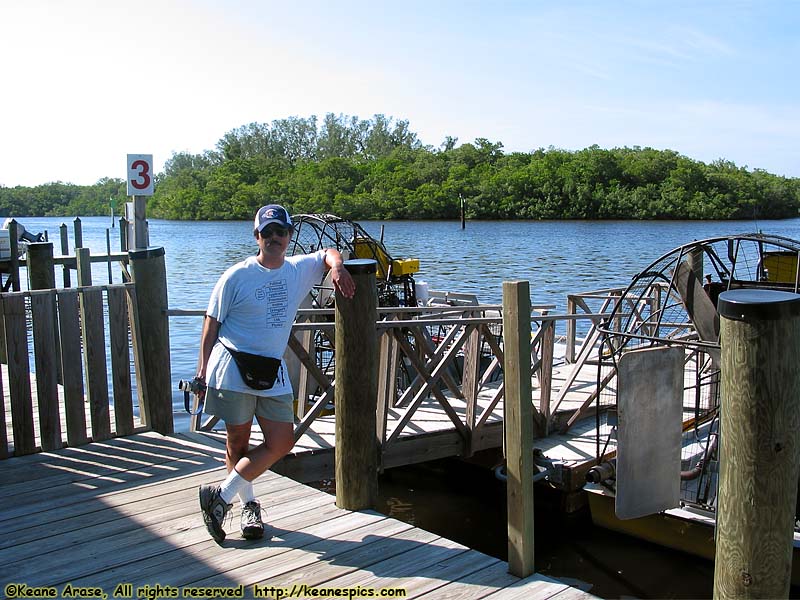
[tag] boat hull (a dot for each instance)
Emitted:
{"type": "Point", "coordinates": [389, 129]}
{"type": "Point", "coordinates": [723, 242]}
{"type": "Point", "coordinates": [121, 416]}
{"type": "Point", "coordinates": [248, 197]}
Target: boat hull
{"type": "Point", "coordinates": [678, 529]}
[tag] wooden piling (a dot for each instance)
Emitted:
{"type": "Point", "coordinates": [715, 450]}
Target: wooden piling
{"type": "Point", "coordinates": [140, 233]}
{"type": "Point", "coordinates": [78, 233]}
{"type": "Point", "coordinates": [41, 269]}
{"type": "Point", "coordinates": [108, 256]}
{"type": "Point", "coordinates": [64, 252]}
{"type": "Point", "coordinates": [13, 262]}
{"type": "Point", "coordinates": [149, 273]}
{"type": "Point", "coordinates": [124, 246]}
{"type": "Point", "coordinates": [84, 266]}
{"type": "Point", "coordinates": [356, 390]}
{"type": "Point", "coordinates": [13, 280]}
{"type": "Point", "coordinates": [123, 235]}
{"type": "Point", "coordinates": [42, 276]}
{"type": "Point", "coordinates": [760, 449]}
{"type": "Point", "coordinates": [518, 425]}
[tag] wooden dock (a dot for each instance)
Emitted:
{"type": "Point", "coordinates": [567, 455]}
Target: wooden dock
{"type": "Point", "coordinates": [120, 513]}
{"type": "Point", "coordinates": [431, 434]}
{"type": "Point", "coordinates": [125, 511]}
{"type": "Point", "coordinates": [440, 391]}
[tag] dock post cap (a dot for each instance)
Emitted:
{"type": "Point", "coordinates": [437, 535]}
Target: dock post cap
{"type": "Point", "coordinates": [149, 252]}
{"type": "Point", "coordinates": [746, 304]}
{"type": "Point", "coordinates": [359, 266]}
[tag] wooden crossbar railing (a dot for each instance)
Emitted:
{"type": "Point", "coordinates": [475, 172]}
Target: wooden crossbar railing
{"type": "Point", "coordinates": [450, 356]}
{"type": "Point", "coordinates": [62, 393]}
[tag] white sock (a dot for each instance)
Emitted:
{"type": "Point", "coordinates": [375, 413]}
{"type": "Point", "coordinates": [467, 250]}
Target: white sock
{"type": "Point", "coordinates": [247, 493]}
{"type": "Point", "coordinates": [231, 486]}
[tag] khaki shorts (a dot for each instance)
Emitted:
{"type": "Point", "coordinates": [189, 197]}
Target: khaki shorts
{"type": "Point", "coordinates": [236, 408]}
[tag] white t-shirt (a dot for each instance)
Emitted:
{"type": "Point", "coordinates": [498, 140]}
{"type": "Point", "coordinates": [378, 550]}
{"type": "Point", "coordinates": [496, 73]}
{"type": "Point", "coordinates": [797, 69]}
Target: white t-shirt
{"type": "Point", "coordinates": [256, 307]}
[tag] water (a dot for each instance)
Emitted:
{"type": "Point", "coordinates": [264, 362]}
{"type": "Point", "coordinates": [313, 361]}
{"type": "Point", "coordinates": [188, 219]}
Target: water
{"type": "Point", "coordinates": [557, 257]}
{"type": "Point", "coordinates": [566, 547]}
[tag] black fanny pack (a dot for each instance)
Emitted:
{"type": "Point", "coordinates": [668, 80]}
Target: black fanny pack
{"type": "Point", "coordinates": [258, 372]}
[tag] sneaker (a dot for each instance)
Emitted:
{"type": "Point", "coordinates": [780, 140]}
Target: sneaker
{"type": "Point", "coordinates": [252, 525]}
{"type": "Point", "coordinates": [214, 509]}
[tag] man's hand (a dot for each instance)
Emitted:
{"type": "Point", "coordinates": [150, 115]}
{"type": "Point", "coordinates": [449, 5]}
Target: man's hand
{"type": "Point", "coordinates": [199, 385]}
{"type": "Point", "coordinates": [342, 281]}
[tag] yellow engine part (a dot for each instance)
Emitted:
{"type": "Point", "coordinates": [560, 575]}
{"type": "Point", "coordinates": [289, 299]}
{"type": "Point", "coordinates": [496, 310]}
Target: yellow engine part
{"type": "Point", "coordinates": [781, 266]}
{"type": "Point", "coordinates": [405, 266]}
{"type": "Point", "coordinates": [366, 248]}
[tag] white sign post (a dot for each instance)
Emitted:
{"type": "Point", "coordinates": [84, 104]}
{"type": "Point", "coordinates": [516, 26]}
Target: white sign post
{"type": "Point", "coordinates": [140, 185]}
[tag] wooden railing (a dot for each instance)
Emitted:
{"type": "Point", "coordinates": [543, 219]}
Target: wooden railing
{"type": "Point", "coordinates": [452, 356]}
{"type": "Point", "coordinates": [593, 305]}
{"type": "Point", "coordinates": [61, 395]}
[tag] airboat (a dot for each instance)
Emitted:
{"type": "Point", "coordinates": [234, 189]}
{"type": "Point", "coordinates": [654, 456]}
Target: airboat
{"type": "Point", "coordinates": [657, 427]}
{"type": "Point", "coordinates": [394, 277]}
{"type": "Point", "coordinates": [395, 287]}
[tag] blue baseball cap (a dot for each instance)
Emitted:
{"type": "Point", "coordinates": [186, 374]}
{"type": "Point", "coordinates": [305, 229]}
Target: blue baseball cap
{"type": "Point", "coordinates": [272, 213]}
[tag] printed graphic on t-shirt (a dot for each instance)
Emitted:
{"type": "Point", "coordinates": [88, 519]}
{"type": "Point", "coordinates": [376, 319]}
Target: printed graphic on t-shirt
{"type": "Point", "coordinates": [276, 296]}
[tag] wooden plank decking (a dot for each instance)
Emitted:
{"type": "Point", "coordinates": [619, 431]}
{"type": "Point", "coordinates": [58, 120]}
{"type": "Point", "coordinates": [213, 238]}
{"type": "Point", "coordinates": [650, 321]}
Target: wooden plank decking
{"type": "Point", "coordinates": [125, 511]}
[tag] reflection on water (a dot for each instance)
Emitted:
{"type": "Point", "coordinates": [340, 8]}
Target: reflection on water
{"type": "Point", "coordinates": [399, 509]}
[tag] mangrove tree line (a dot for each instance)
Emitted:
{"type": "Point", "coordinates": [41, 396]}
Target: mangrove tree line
{"type": "Point", "coordinates": [378, 169]}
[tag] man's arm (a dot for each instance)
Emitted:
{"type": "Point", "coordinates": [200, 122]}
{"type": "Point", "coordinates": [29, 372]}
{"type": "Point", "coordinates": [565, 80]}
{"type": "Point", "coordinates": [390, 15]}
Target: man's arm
{"type": "Point", "coordinates": [341, 279]}
{"type": "Point", "coordinates": [207, 341]}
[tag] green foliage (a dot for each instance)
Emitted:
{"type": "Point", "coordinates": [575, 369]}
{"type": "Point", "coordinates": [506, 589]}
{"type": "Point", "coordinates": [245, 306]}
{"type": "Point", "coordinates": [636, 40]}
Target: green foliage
{"type": "Point", "coordinates": [62, 199]}
{"type": "Point", "coordinates": [378, 169]}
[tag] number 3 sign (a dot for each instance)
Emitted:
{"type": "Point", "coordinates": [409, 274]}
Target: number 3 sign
{"type": "Point", "coordinates": [140, 174]}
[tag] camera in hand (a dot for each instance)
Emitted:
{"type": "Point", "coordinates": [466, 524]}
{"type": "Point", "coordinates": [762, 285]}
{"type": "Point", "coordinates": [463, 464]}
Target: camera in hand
{"type": "Point", "coordinates": [193, 386]}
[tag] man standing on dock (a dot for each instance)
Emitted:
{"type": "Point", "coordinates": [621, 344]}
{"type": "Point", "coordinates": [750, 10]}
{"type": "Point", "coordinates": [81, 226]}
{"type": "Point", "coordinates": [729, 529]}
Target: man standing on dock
{"type": "Point", "coordinates": [245, 333]}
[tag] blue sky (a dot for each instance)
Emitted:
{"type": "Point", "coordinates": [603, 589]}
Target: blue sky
{"type": "Point", "coordinates": [86, 82]}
